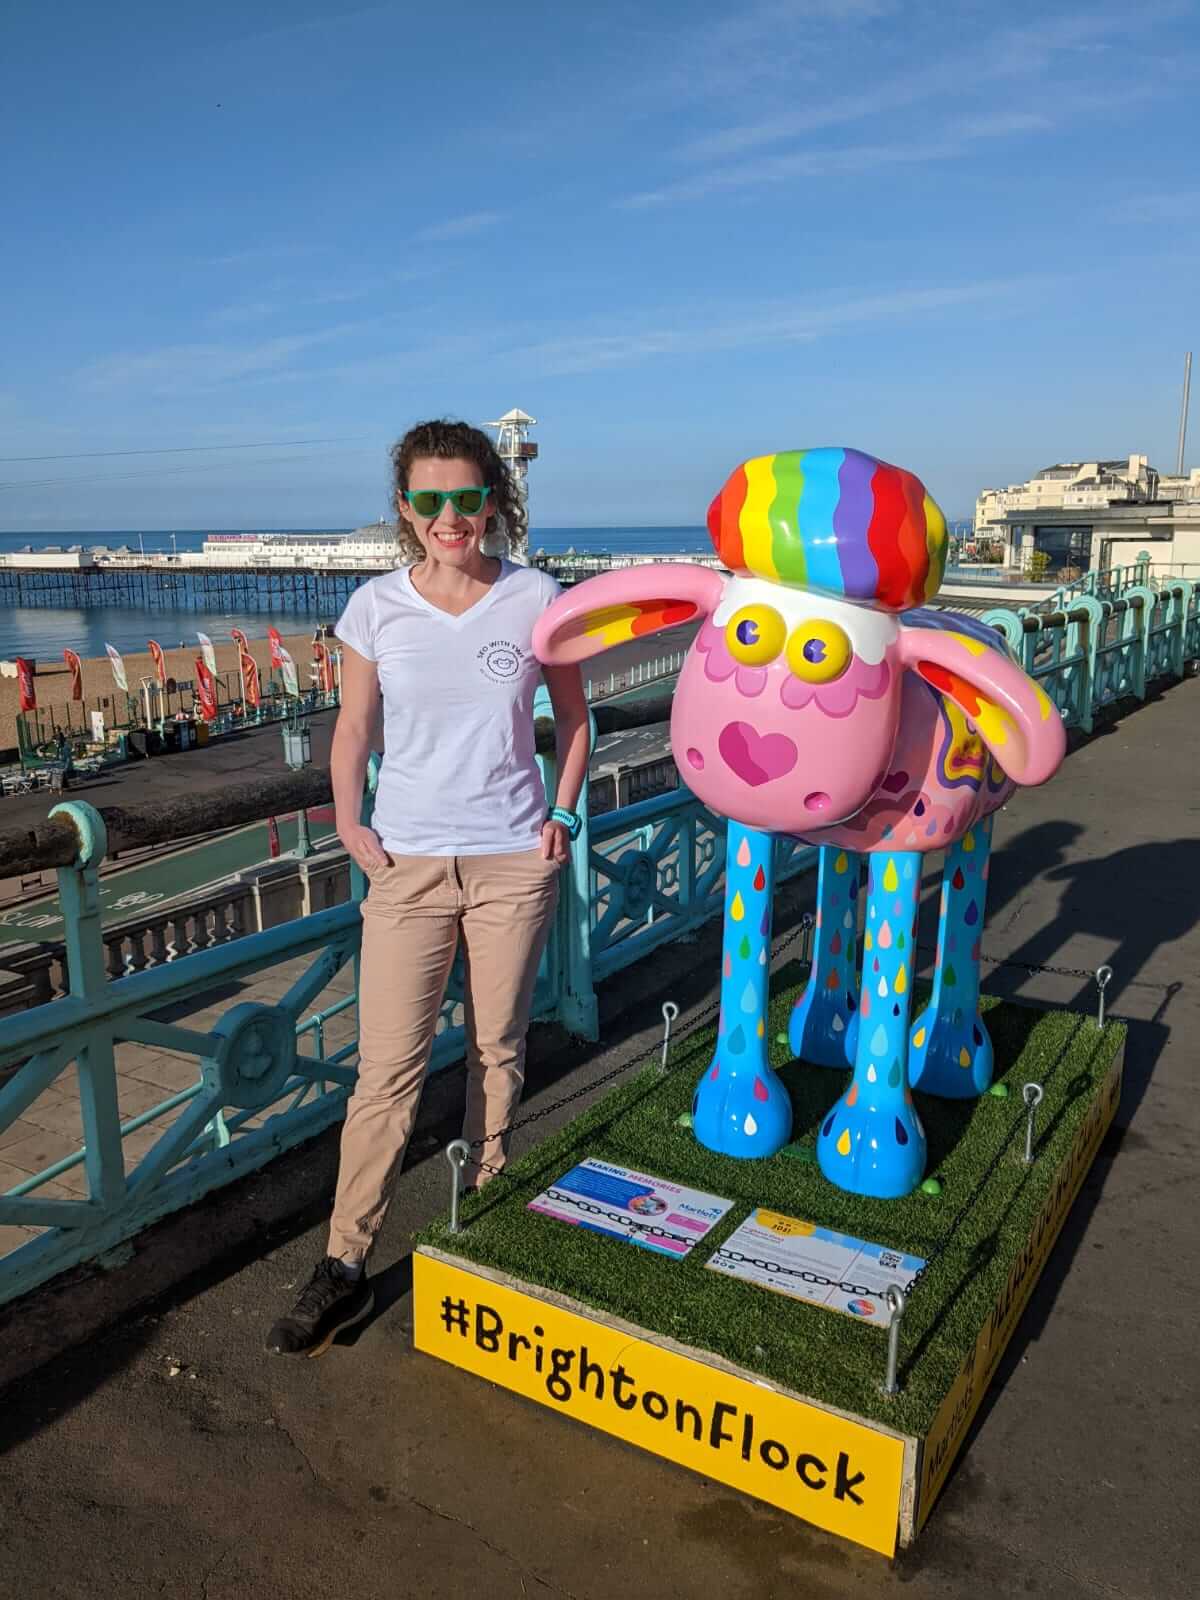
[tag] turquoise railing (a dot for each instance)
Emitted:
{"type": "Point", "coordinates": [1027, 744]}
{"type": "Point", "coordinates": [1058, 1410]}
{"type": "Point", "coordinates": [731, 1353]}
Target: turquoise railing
{"type": "Point", "coordinates": [1110, 584]}
{"type": "Point", "coordinates": [1090, 653]}
{"type": "Point", "coordinates": [266, 1077]}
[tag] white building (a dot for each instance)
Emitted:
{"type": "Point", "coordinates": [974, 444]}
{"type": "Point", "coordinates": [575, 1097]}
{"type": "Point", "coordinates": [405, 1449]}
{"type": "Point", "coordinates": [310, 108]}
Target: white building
{"type": "Point", "coordinates": [1095, 514]}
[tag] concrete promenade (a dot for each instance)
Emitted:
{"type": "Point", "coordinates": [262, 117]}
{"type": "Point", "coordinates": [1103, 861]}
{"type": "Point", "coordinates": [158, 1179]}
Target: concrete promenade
{"type": "Point", "coordinates": [169, 1456]}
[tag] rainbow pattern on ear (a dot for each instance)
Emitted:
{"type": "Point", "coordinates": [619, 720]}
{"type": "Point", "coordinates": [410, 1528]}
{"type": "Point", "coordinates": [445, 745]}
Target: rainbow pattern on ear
{"type": "Point", "coordinates": [992, 721]}
{"type": "Point", "coordinates": [835, 520]}
{"type": "Point", "coordinates": [630, 620]}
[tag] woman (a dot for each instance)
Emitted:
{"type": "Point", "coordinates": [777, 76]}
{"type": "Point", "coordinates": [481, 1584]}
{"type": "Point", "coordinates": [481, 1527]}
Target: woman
{"type": "Point", "coordinates": [461, 845]}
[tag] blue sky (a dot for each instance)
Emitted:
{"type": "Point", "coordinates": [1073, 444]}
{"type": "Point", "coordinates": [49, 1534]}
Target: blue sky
{"type": "Point", "coordinates": [961, 236]}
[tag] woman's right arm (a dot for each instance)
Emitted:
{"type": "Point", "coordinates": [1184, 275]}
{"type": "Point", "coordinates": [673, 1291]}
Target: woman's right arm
{"type": "Point", "coordinates": [353, 739]}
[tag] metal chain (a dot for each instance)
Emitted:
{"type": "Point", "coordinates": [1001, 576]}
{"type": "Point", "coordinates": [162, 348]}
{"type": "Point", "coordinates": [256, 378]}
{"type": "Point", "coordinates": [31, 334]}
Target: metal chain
{"type": "Point", "coordinates": [721, 1253]}
{"type": "Point", "coordinates": [650, 1228]}
{"type": "Point", "coordinates": [1059, 972]}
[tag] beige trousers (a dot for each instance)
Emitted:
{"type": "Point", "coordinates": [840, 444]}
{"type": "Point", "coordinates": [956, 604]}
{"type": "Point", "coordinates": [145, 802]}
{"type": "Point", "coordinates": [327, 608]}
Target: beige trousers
{"type": "Point", "coordinates": [416, 910]}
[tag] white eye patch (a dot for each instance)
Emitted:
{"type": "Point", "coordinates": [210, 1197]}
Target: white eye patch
{"type": "Point", "coordinates": [870, 632]}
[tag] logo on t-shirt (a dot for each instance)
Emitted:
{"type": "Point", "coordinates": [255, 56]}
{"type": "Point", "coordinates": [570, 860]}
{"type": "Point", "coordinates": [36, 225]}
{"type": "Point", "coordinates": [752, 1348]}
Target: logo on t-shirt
{"type": "Point", "coordinates": [500, 661]}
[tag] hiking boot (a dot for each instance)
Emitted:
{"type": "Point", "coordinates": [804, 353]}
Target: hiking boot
{"type": "Point", "coordinates": [330, 1302]}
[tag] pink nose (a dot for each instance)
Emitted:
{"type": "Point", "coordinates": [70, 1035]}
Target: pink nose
{"type": "Point", "coordinates": [754, 757]}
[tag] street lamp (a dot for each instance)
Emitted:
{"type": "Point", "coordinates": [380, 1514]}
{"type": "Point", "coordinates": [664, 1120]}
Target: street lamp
{"type": "Point", "coordinates": [297, 754]}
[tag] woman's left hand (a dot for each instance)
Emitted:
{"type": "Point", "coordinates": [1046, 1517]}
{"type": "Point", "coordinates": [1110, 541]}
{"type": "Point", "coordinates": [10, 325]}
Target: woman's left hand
{"type": "Point", "coordinates": [556, 843]}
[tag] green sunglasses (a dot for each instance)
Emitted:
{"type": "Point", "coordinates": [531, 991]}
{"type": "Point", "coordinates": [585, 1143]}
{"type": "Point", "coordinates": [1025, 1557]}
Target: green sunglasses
{"type": "Point", "coordinates": [429, 502]}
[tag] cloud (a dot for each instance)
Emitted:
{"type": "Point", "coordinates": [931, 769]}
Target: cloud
{"type": "Point", "coordinates": [841, 162]}
{"type": "Point", "coordinates": [178, 368]}
{"type": "Point", "coordinates": [459, 227]}
{"type": "Point", "coordinates": [1024, 52]}
{"type": "Point", "coordinates": [771, 325]}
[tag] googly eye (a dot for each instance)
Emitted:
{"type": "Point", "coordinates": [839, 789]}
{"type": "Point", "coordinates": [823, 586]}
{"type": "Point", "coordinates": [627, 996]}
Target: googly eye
{"type": "Point", "coordinates": [754, 635]}
{"type": "Point", "coordinates": [818, 652]}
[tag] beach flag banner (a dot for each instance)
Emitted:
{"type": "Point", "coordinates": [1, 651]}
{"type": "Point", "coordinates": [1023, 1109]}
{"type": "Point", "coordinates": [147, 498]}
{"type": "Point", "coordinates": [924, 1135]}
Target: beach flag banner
{"type": "Point", "coordinates": [160, 662]}
{"type": "Point", "coordinates": [291, 678]}
{"type": "Point", "coordinates": [276, 642]}
{"type": "Point", "coordinates": [252, 692]}
{"type": "Point", "coordinates": [239, 638]}
{"type": "Point", "coordinates": [76, 668]}
{"type": "Point", "coordinates": [118, 668]}
{"type": "Point", "coordinates": [208, 652]}
{"type": "Point", "coordinates": [26, 684]}
{"type": "Point", "coordinates": [324, 666]}
{"type": "Point", "coordinates": [206, 691]}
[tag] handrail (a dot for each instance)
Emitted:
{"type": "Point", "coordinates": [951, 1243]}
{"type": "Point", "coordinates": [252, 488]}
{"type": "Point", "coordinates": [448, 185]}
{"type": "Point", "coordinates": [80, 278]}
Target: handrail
{"type": "Point", "coordinates": [55, 843]}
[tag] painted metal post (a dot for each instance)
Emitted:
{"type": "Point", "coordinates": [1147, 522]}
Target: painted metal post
{"type": "Point", "coordinates": [1091, 633]}
{"type": "Point", "coordinates": [1033, 1094]}
{"type": "Point", "coordinates": [577, 1008]}
{"type": "Point", "coordinates": [458, 1153]}
{"type": "Point", "coordinates": [1103, 979]}
{"type": "Point", "coordinates": [669, 1012]}
{"type": "Point", "coordinates": [897, 1304]}
{"type": "Point", "coordinates": [79, 896]}
{"type": "Point", "coordinates": [1138, 621]}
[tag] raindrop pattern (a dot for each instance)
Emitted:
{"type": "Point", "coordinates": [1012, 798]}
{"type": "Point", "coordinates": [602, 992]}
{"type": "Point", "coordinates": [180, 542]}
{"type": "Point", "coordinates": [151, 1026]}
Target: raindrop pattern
{"type": "Point", "coordinates": [741, 1106]}
{"type": "Point", "coordinates": [871, 1143]}
{"type": "Point", "coordinates": [951, 1052]}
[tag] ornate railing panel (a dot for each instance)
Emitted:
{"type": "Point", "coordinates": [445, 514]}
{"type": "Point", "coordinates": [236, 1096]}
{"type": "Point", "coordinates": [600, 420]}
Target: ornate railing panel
{"type": "Point", "coordinates": [657, 872]}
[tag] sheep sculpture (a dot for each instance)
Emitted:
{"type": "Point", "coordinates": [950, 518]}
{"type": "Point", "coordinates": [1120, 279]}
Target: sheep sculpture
{"type": "Point", "coordinates": [823, 699]}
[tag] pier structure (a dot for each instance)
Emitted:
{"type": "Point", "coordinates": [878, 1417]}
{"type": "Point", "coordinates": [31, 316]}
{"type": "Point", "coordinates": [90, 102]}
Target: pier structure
{"type": "Point", "coordinates": [162, 583]}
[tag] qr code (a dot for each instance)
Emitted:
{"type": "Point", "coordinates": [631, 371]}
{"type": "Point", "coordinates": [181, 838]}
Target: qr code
{"type": "Point", "coordinates": [889, 1258]}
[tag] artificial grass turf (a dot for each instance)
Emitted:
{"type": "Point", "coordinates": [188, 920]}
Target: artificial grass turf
{"type": "Point", "coordinates": [830, 1356]}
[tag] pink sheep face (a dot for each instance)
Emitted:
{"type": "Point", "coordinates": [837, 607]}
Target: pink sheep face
{"type": "Point", "coordinates": [794, 709]}
{"type": "Point", "coordinates": [788, 706]}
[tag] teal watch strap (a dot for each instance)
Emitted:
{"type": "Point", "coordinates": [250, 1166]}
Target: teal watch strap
{"type": "Point", "coordinates": [569, 819]}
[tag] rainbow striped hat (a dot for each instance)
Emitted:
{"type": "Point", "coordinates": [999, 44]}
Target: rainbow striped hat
{"type": "Point", "coordinates": [835, 520]}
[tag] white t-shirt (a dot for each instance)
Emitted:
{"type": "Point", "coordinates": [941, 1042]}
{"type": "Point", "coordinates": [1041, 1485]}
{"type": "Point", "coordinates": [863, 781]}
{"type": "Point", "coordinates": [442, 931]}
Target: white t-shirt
{"type": "Point", "coordinates": [459, 774]}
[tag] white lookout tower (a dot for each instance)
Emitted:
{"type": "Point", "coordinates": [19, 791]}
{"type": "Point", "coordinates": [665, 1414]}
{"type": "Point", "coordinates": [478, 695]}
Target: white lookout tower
{"type": "Point", "coordinates": [513, 445]}
{"type": "Point", "coordinates": [515, 449]}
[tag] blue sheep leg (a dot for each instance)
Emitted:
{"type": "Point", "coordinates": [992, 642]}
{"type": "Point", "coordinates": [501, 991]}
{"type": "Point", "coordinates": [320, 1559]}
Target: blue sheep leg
{"type": "Point", "coordinates": [825, 1011]}
{"type": "Point", "coordinates": [740, 1107]}
{"type": "Point", "coordinates": [872, 1142]}
{"type": "Point", "coordinates": [951, 1053]}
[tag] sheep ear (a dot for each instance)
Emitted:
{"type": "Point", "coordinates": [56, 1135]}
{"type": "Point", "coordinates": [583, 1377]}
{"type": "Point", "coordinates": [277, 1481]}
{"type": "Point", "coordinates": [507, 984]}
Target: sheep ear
{"type": "Point", "coordinates": [619, 606]}
{"type": "Point", "coordinates": [1014, 717]}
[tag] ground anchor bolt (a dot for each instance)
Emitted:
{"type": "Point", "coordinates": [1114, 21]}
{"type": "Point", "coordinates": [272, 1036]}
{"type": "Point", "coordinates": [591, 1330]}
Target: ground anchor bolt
{"type": "Point", "coordinates": [669, 1012]}
{"type": "Point", "coordinates": [1103, 979]}
{"type": "Point", "coordinates": [1033, 1094]}
{"type": "Point", "coordinates": [897, 1302]}
{"type": "Point", "coordinates": [458, 1152]}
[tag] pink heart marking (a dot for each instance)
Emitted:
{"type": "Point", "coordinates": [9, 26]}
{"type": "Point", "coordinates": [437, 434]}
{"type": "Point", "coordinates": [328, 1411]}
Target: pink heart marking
{"type": "Point", "coordinates": [755, 757]}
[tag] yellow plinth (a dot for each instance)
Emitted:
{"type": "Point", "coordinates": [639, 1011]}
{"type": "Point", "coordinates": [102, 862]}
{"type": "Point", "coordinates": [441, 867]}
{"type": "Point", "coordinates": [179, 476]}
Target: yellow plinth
{"type": "Point", "coordinates": [849, 1475]}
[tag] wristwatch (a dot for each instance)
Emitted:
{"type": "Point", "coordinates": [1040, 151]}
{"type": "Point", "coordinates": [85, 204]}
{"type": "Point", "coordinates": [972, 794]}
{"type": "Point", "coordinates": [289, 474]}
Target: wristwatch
{"type": "Point", "coordinates": [570, 820]}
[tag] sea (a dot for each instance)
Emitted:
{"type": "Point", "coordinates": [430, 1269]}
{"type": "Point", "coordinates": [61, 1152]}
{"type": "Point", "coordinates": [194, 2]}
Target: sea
{"type": "Point", "coordinates": [45, 631]}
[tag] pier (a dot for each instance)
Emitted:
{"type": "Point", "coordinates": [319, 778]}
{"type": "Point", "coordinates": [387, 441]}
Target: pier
{"type": "Point", "coordinates": [192, 583]}
{"type": "Point", "coordinates": [170, 583]}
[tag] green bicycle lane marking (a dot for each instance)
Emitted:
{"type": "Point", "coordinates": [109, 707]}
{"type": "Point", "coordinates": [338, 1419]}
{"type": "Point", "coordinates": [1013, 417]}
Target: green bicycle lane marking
{"type": "Point", "coordinates": [151, 883]}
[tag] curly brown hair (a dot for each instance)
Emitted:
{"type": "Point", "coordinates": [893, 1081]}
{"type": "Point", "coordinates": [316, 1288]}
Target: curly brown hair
{"type": "Point", "coordinates": [445, 440]}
